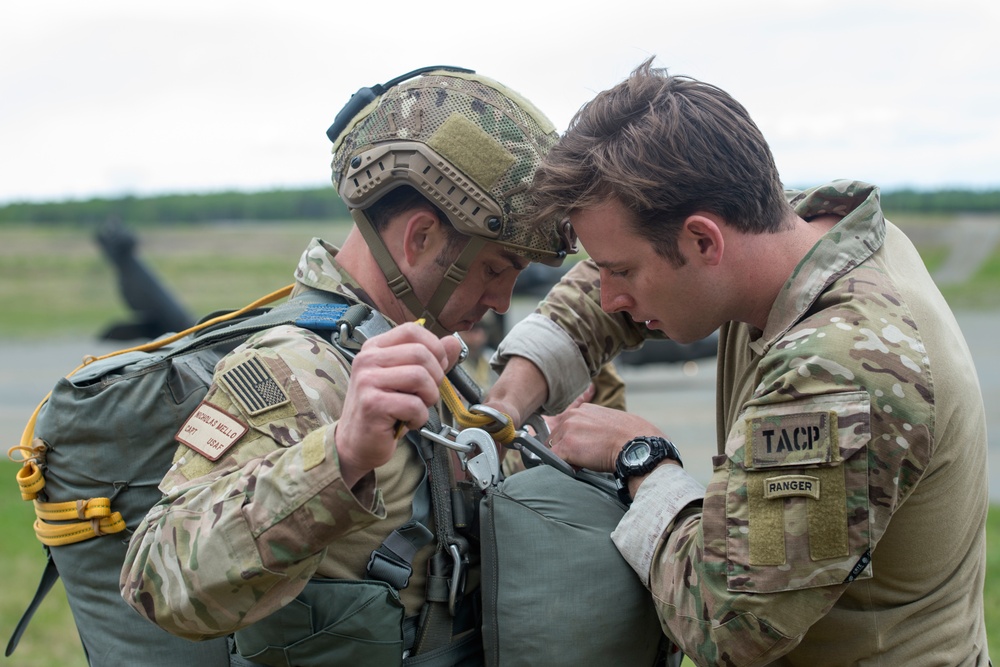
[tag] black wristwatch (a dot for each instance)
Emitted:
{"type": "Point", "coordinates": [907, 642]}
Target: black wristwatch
{"type": "Point", "coordinates": [638, 457]}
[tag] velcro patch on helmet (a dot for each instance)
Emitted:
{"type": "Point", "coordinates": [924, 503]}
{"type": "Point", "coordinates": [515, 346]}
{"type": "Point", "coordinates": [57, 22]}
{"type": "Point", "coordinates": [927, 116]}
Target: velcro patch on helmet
{"type": "Point", "coordinates": [478, 155]}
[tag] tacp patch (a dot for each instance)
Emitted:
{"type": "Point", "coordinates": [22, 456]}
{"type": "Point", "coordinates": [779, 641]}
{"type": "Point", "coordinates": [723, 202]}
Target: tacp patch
{"type": "Point", "coordinates": [252, 384]}
{"type": "Point", "coordinates": [796, 439]}
{"type": "Point", "coordinates": [211, 431]}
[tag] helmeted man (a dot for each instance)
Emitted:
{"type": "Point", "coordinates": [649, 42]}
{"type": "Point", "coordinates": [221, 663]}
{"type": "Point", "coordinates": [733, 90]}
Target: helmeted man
{"type": "Point", "coordinates": [844, 523]}
{"type": "Point", "coordinates": [302, 514]}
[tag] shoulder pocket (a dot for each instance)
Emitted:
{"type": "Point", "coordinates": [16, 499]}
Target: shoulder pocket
{"type": "Point", "coordinates": [797, 508]}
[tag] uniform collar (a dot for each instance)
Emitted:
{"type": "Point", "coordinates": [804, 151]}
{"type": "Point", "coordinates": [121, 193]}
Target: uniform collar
{"type": "Point", "coordinates": [318, 269]}
{"type": "Point", "coordinates": [849, 243]}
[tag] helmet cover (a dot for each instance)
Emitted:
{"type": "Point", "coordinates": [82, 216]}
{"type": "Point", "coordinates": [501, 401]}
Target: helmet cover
{"type": "Point", "coordinates": [468, 144]}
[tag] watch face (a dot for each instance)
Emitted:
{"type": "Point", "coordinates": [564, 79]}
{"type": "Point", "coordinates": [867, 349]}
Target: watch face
{"type": "Point", "coordinates": [636, 454]}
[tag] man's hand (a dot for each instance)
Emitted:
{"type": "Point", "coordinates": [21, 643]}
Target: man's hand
{"type": "Point", "coordinates": [394, 379]}
{"type": "Point", "coordinates": [590, 436]}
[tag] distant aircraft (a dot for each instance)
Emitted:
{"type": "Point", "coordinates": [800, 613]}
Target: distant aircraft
{"type": "Point", "coordinates": [156, 310]}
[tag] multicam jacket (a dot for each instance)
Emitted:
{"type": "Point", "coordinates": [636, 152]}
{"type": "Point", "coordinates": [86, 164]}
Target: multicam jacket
{"type": "Point", "coordinates": [844, 521]}
{"type": "Point", "coordinates": [237, 538]}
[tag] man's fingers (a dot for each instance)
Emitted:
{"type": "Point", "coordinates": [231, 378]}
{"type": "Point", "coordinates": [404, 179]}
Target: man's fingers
{"type": "Point", "coordinates": [452, 347]}
{"type": "Point", "coordinates": [414, 345]}
{"type": "Point", "coordinates": [385, 382]}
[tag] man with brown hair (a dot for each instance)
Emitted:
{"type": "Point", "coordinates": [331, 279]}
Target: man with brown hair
{"type": "Point", "coordinates": [845, 519]}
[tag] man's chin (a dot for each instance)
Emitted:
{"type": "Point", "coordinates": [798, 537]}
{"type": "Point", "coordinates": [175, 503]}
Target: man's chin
{"type": "Point", "coordinates": [681, 337]}
{"type": "Point", "coordinates": [467, 323]}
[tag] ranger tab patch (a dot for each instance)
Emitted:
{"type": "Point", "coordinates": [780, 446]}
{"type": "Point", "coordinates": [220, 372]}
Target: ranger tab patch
{"type": "Point", "coordinates": [796, 439]}
{"type": "Point", "coordinates": [254, 387]}
{"type": "Point", "coordinates": [211, 431]}
{"type": "Point", "coordinates": [787, 486]}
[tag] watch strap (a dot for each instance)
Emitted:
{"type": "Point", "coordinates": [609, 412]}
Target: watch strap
{"type": "Point", "coordinates": [659, 450]}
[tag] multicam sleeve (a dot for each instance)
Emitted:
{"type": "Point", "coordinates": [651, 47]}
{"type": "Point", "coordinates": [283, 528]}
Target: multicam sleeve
{"type": "Point", "coordinates": [569, 337]}
{"type": "Point", "coordinates": [783, 529]}
{"type": "Point", "coordinates": [789, 517]}
{"type": "Point", "coordinates": [244, 534]}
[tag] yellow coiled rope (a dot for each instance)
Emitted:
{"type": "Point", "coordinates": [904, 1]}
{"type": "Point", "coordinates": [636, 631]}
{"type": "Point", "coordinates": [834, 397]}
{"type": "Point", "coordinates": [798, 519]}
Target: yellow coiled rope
{"type": "Point", "coordinates": [502, 433]}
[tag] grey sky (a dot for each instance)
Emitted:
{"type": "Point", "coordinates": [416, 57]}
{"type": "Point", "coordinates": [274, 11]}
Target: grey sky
{"type": "Point", "coordinates": [110, 97]}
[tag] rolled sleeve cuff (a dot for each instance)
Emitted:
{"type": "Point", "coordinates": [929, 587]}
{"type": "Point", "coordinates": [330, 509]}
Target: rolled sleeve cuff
{"type": "Point", "coordinates": [661, 497]}
{"type": "Point", "coordinates": [545, 344]}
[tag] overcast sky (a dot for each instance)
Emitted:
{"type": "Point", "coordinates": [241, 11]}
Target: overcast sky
{"type": "Point", "coordinates": [109, 97]}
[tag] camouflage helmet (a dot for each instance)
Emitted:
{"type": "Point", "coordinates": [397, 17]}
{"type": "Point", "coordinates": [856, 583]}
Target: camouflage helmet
{"type": "Point", "coordinates": [467, 143]}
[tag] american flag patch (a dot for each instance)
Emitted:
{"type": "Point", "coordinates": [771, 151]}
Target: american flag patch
{"type": "Point", "coordinates": [254, 387]}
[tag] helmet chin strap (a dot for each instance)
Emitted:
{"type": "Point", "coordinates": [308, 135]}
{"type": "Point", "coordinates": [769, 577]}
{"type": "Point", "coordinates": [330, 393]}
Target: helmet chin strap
{"type": "Point", "coordinates": [401, 287]}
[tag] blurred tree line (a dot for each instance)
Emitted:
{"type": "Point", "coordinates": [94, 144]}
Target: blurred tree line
{"type": "Point", "coordinates": [941, 201]}
{"type": "Point", "coordinates": [324, 204]}
{"type": "Point", "coordinates": [305, 204]}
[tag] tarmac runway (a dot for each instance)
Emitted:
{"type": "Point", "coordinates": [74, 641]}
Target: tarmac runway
{"type": "Point", "coordinates": [679, 398]}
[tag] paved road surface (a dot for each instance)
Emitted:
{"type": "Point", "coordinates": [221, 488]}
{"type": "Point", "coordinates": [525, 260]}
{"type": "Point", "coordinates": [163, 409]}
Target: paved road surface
{"type": "Point", "coordinates": [677, 398]}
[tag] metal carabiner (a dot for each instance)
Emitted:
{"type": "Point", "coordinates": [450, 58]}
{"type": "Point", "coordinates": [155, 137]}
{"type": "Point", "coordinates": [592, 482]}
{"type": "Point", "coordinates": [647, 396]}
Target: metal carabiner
{"type": "Point", "coordinates": [485, 467]}
{"type": "Point", "coordinates": [463, 354]}
{"type": "Point", "coordinates": [493, 413]}
{"type": "Point", "coordinates": [448, 437]}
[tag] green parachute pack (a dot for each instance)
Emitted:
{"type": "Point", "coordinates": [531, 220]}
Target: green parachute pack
{"type": "Point", "coordinates": [551, 589]}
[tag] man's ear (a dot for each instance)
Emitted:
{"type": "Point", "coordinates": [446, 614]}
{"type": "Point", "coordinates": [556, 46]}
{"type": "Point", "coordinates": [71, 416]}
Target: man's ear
{"type": "Point", "coordinates": [702, 239]}
{"type": "Point", "coordinates": [422, 236]}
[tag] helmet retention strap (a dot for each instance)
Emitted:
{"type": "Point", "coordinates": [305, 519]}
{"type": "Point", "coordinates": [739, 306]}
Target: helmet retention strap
{"type": "Point", "coordinates": [401, 287]}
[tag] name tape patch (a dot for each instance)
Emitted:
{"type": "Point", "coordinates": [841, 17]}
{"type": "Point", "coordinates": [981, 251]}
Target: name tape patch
{"type": "Point", "coordinates": [779, 440]}
{"type": "Point", "coordinates": [211, 431]}
{"type": "Point", "coordinates": [254, 387]}
{"type": "Point", "coordinates": [787, 486]}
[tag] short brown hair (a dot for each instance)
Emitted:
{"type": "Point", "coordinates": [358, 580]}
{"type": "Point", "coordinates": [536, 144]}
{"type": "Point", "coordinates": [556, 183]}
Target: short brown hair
{"type": "Point", "coordinates": [665, 147]}
{"type": "Point", "coordinates": [406, 198]}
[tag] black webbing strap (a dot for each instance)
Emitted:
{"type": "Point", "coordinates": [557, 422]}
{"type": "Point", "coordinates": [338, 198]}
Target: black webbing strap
{"type": "Point", "coordinates": [49, 577]}
{"type": "Point", "coordinates": [392, 561]}
{"type": "Point", "coordinates": [448, 560]}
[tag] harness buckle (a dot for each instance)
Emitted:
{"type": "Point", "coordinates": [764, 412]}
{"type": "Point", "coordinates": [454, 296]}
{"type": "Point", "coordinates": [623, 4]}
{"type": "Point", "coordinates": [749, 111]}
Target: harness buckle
{"type": "Point", "coordinates": [457, 583]}
{"type": "Point", "coordinates": [355, 326]}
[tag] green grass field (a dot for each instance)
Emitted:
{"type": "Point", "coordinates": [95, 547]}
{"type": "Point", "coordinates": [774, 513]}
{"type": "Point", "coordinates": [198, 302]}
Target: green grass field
{"type": "Point", "coordinates": [55, 284]}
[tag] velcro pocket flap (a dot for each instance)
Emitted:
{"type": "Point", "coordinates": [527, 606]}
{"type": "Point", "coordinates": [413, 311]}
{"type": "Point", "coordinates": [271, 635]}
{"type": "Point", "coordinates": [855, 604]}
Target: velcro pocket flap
{"type": "Point", "coordinates": [797, 508]}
